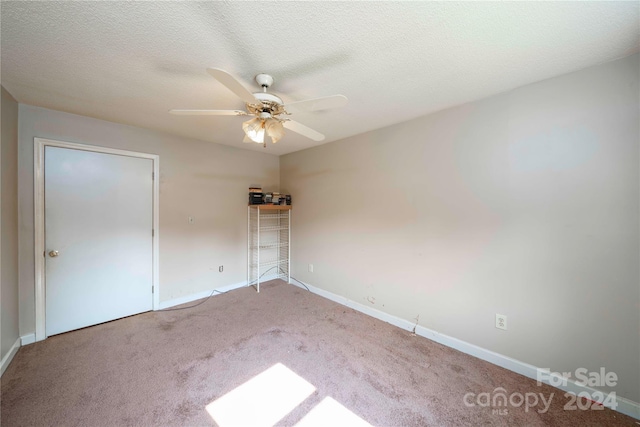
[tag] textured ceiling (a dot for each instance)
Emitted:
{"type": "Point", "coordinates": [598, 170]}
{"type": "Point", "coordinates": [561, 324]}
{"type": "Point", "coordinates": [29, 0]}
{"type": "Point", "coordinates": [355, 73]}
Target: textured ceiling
{"type": "Point", "coordinates": [130, 62]}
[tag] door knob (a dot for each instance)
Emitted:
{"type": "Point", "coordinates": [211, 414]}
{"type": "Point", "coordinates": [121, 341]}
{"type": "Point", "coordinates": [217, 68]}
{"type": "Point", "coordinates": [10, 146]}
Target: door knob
{"type": "Point", "coordinates": [53, 254]}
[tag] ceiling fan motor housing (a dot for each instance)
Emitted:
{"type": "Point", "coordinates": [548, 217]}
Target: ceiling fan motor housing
{"type": "Point", "coordinates": [268, 97]}
{"type": "Point", "coordinates": [272, 105]}
{"type": "Point", "coordinates": [269, 104]}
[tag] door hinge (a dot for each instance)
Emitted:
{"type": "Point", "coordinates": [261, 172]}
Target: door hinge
{"type": "Point", "coordinates": [153, 176]}
{"type": "Point", "coordinates": [153, 232]}
{"type": "Point", "coordinates": [152, 288]}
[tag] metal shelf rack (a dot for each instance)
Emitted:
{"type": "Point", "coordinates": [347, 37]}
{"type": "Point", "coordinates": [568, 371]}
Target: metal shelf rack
{"type": "Point", "coordinates": [269, 243]}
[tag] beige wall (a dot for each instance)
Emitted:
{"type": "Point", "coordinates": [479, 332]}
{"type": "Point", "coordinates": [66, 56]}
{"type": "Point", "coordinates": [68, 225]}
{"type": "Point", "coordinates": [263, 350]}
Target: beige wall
{"type": "Point", "coordinates": [524, 204]}
{"type": "Point", "coordinates": [206, 181]}
{"type": "Point", "coordinates": [9, 224]}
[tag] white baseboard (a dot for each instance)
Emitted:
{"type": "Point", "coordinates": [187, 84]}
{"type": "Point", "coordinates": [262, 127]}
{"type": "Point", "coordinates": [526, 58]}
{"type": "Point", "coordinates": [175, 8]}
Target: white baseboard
{"type": "Point", "coordinates": [204, 294]}
{"type": "Point", "coordinates": [624, 406]}
{"type": "Point", "coordinates": [6, 360]}
{"type": "Point", "coordinates": [28, 339]}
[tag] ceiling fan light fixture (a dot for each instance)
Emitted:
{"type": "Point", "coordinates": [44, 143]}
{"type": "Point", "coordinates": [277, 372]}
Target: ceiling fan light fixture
{"type": "Point", "coordinates": [275, 130]}
{"type": "Point", "coordinates": [254, 129]}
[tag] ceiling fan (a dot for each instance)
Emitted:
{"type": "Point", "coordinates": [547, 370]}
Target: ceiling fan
{"type": "Point", "coordinates": [269, 111]}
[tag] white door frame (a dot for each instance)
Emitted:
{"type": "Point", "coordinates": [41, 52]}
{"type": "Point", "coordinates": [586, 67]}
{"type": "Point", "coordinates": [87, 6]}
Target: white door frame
{"type": "Point", "coordinates": [39, 217]}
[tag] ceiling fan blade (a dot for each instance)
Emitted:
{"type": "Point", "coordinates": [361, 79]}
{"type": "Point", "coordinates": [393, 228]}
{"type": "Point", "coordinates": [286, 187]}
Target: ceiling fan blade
{"type": "Point", "coordinates": [303, 130]}
{"type": "Point", "coordinates": [232, 84]}
{"type": "Point", "coordinates": [316, 104]}
{"type": "Point", "coordinates": [208, 112]}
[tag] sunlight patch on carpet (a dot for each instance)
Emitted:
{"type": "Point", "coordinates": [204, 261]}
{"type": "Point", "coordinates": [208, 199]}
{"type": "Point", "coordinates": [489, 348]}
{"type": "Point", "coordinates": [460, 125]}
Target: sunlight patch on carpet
{"type": "Point", "coordinates": [330, 413]}
{"type": "Point", "coordinates": [263, 400]}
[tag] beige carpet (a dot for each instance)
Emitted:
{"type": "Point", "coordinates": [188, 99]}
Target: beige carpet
{"type": "Point", "coordinates": [284, 356]}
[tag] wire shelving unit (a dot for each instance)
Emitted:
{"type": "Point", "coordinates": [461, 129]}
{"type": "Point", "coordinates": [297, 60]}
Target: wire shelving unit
{"type": "Point", "coordinates": [269, 243]}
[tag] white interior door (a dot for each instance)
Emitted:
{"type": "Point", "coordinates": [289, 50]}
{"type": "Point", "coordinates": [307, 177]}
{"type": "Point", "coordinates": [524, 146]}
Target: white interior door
{"type": "Point", "coordinates": [98, 241]}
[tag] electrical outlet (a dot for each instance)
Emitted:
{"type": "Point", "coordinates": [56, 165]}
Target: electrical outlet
{"type": "Point", "coordinates": [191, 220]}
{"type": "Point", "coordinates": [221, 268]}
{"type": "Point", "coordinates": [310, 268]}
{"type": "Point", "coordinates": [501, 321]}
